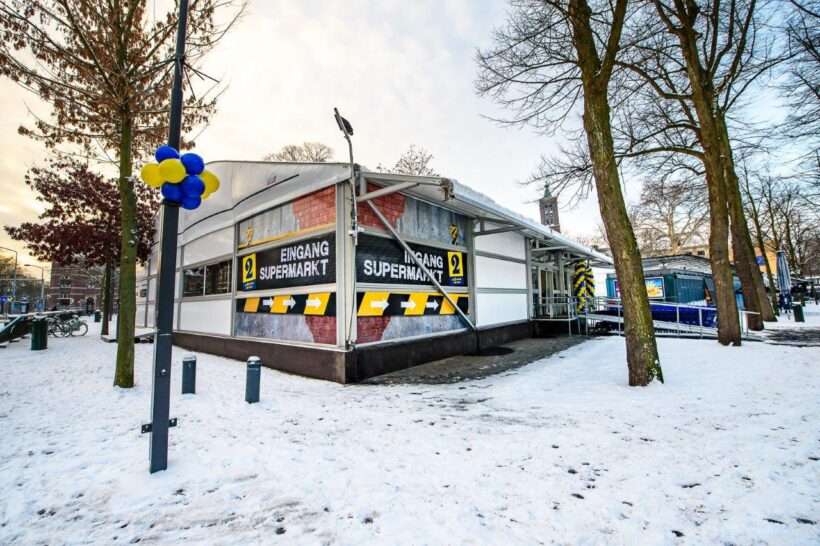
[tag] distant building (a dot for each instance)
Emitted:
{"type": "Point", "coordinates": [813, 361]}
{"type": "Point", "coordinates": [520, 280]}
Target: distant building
{"type": "Point", "coordinates": [75, 286]}
{"type": "Point", "coordinates": [548, 206]}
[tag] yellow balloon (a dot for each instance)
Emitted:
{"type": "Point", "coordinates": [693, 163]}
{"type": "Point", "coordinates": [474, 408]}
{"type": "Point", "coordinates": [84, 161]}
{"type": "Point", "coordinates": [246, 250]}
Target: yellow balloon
{"type": "Point", "coordinates": [211, 183]}
{"type": "Point", "coordinates": [150, 175]}
{"type": "Point", "coordinates": [172, 170]}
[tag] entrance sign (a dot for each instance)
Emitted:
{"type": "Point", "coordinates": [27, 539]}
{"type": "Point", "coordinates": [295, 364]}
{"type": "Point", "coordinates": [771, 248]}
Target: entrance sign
{"type": "Point", "coordinates": [306, 262]}
{"type": "Point", "coordinates": [384, 261]}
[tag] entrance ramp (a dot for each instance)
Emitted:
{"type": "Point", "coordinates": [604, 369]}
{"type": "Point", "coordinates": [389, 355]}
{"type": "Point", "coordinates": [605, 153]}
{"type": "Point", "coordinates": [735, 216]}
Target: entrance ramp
{"type": "Point", "coordinates": [668, 318]}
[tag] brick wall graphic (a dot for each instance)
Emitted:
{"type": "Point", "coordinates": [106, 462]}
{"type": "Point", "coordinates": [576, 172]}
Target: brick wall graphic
{"type": "Point", "coordinates": [392, 206]}
{"type": "Point", "coordinates": [316, 209]}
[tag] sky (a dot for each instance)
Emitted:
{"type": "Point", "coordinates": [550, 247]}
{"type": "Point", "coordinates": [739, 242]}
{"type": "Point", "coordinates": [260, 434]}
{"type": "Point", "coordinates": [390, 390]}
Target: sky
{"type": "Point", "coordinates": [401, 72]}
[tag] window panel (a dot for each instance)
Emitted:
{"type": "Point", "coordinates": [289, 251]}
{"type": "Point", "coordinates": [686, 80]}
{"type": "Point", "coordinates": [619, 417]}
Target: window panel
{"type": "Point", "coordinates": [218, 278]}
{"type": "Point", "coordinates": [193, 282]}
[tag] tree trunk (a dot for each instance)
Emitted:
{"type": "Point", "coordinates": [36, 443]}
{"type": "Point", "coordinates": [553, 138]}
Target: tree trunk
{"type": "Point", "coordinates": [106, 310]}
{"type": "Point", "coordinates": [791, 254]}
{"type": "Point", "coordinates": [704, 102]}
{"type": "Point", "coordinates": [754, 293]}
{"type": "Point", "coordinates": [641, 349]}
{"type": "Point", "coordinates": [728, 325]}
{"type": "Point", "coordinates": [769, 274]}
{"type": "Point", "coordinates": [124, 375]}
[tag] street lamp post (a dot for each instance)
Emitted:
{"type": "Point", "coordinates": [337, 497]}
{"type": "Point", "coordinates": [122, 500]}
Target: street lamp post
{"type": "Point", "coordinates": [14, 277]}
{"type": "Point", "coordinates": [161, 389]}
{"type": "Point", "coordinates": [42, 284]}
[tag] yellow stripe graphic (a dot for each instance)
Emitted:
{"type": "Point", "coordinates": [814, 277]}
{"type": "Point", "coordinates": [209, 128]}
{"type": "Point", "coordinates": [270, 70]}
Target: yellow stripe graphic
{"type": "Point", "coordinates": [373, 304]}
{"type": "Point", "coordinates": [316, 304]}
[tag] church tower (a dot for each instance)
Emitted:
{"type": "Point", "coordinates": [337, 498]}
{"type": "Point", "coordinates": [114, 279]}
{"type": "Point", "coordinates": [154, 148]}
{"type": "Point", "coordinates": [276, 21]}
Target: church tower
{"type": "Point", "coordinates": [549, 210]}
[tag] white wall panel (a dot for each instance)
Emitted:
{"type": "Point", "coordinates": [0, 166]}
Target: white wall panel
{"type": "Point", "coordinates": [510, 243]}
{"type": "Point", "coordinates": [212, 317]}
{"type": "Point", "coordinates": [140, 320]}
{"type": "Point", "coordinates": [492, 273]}
{"type": "Point", "coordinates": [499, 308]}
{"type": "Point", "coordinates": [218, 243]}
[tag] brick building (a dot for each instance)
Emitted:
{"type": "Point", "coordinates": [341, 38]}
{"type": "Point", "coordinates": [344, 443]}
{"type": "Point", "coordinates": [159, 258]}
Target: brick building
{"type": "Point", "coordinates": [73, 286]}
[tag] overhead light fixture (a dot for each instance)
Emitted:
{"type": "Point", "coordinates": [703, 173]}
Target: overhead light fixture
{"type": "Point", "coordinates": [344, 125]}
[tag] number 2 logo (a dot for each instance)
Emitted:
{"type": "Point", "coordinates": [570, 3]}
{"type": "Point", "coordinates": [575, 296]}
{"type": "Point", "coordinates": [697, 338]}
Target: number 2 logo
{"type": "Point", "coordinates": [249, 268]}
{"type": "Point", "coordinates": [455, 264]}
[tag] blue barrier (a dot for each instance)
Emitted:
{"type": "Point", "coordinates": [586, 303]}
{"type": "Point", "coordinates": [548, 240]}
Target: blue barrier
{"type": "Point", "coordinates": [694, 316]}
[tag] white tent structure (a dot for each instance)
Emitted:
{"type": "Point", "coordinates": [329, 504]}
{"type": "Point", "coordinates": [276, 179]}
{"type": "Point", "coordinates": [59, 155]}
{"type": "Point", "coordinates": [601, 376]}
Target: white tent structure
{"type": "Point", "coordinates": [344, 275]}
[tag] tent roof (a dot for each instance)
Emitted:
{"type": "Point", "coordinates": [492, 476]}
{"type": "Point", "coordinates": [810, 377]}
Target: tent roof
{"type": "Point", "coordinates": [250, 187]}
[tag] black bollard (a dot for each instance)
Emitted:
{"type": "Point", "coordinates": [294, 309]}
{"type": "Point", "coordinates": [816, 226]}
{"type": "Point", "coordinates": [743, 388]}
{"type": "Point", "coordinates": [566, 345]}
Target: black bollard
{"type": "Point", "coordinates": [39, 334]}
{"type": "Point", "coordinates": [252, 378]}
{"type": "Point", "coordinates": [189, 374]}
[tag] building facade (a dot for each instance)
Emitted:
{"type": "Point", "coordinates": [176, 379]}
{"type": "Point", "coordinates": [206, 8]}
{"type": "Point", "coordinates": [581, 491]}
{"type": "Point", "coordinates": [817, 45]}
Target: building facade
{"type": "Point", "coordinates": [342, 280]}
{"type": "Point", "coordinates": [73, 286]}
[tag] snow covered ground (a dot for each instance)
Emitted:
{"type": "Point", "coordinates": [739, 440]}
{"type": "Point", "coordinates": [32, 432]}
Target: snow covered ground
{"type": "Point", "coordinates": [811, 315]}
{"type": "Point", "coordinates": [557, 452]}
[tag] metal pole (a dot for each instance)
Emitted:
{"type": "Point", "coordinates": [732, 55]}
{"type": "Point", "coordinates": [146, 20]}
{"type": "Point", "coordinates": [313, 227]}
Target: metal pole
{"type": "Point", "coordinates": [677, 317]}
{"type": "Point", "coordinates": [161, 391]}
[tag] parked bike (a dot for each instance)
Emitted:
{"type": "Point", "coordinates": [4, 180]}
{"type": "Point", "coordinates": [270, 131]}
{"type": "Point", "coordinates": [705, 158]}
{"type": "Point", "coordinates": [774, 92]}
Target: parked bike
{"type": "Point", "coordinates": [65, 327]}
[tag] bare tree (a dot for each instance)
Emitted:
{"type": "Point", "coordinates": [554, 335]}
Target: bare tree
{"type": "Point", "coordinates": [671, 215]}
{"type": "Point", "coordinates": [549, 58]}
{"type": "Point", "coordinates": [693, 63]}
{"type": "Point", "coordinates": [802, 85]}
{"type": "Point", "coordinates": [757, 198]}
{"type": "Point", "coordinates": [307, 152]}
{"type": "Point", "coordinates": [414, 161]}
{"type": "Point", "coordinates": [104, 67]}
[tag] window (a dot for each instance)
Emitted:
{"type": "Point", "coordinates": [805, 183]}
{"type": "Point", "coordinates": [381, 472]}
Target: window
{"type": "Point", "coordinates": [193, 281]}
{"type": "Point", "coordinates": [218, 278]}
{"type": "Point", "coordinates": [207, 280]}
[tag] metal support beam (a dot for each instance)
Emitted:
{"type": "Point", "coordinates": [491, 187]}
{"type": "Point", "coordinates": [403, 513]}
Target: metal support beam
{"type": "Point", "coordinates": [548, 248]}
{"type": "Point", "coordinates": [421, 265]}
{"type": "Point", "coordinates": [386, 191]}
{"type": "Point", "coordinates": [497, 230]}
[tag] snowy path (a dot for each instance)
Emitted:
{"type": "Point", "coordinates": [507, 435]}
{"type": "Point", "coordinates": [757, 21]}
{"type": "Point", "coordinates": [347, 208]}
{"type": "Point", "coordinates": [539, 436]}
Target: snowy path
{"type": "Point", "coordinates": [560, 451]}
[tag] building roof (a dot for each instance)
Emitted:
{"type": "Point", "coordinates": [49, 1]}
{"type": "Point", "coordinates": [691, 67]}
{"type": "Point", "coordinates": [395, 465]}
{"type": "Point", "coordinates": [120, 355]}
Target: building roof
{"type": "Point", "coordinates": [250, 187]}
{"type": "Point", "coordinates": [685, 262]}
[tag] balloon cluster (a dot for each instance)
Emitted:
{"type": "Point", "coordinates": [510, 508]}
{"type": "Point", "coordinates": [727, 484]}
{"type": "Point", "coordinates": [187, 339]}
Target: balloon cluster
{"type": "Point", "coordinates": [182, 179]}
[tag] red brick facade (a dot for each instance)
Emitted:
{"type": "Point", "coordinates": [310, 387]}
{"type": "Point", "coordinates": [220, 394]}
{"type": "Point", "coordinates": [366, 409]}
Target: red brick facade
{"type": "Point", "coordinates": [322, 328]}
{"type": "Point", "coordinates": [371, 328]}
{"type": "Point", "coordinates": [316, 209]}
{"type": "Point", "coordinates": [392, 206]}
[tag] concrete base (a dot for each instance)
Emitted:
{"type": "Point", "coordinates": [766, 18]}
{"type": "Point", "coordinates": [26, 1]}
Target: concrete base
{"type": "Point", "coordinates": [363, 362]}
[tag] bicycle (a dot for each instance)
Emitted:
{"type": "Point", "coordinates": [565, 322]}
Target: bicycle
{"type": "Point", "coordinates": [57, 328]}
{"type": "Point", "coordinates": [62, 327]}
{"type": "Point", "coordinates": [77, 327]}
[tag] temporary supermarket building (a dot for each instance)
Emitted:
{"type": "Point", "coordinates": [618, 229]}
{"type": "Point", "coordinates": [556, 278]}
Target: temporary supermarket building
{"type": "Point", "coordinates": [331, 271]}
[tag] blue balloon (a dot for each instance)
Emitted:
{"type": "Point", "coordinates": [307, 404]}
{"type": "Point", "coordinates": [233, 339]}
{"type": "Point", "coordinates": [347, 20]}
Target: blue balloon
{"type": "Point", "coordinates": [172, 192]}
{"type": "Point", "coordinates": [193, 186]}
{"type": "Point", "coordinates": [165, 152]}
{"type": "Point", "coordinates": [190, 202]}
{"type": "Point", "coordinates": [194, 164]}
